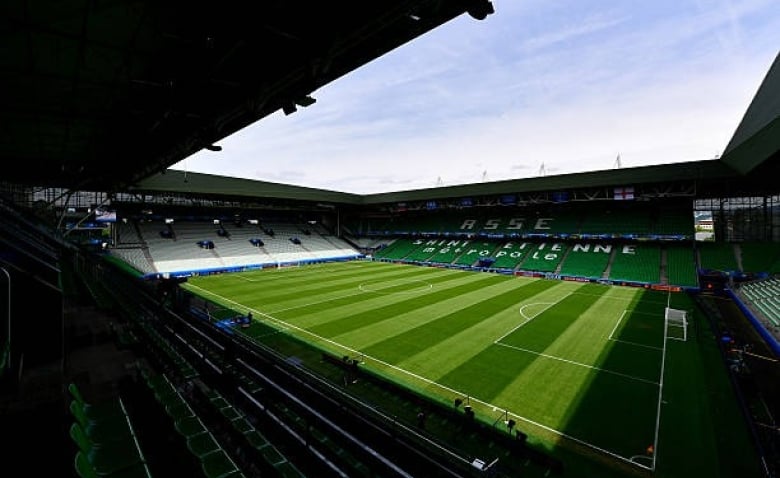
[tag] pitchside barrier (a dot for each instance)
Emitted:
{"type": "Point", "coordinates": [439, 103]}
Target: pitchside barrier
{"type": "Point", "coordinates": [462, 409]}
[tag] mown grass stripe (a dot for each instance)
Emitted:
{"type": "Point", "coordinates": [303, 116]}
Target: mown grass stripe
{"type": "Point", "coordinates": [487, 374]}
{"type": "Point", "coordinates": [548, 325]}
{"type": "Point", "coordinates": [406, 284]}
{"type": "Point", "coordinates": [414, 317]}
{"type": "Point", "coordinates": [357, 303]}
{"type": "Point", "coordinates": [544, 329]}
{"type": "Point", "coordinates": [463, 344]}
{"type": "Point", "coordinates": [292, 276]}
{"type": "Point", "coordinates": [340, 324]}
{"type": "Point", "coordinates": [313, 285]}
{"type": "Point", "coordinates": [419, 338]}
{"type": "Point", "coordinates": [285, 276]}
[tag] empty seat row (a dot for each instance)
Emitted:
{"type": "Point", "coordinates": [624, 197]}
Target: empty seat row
{"type": "Point", "coordinates": [200, 440]}
{"type": "Point", "coordinates": [105, 438]}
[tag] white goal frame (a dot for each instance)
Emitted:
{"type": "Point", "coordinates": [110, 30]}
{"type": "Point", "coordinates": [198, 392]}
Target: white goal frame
{"type": "Point", "coordinates": [676, 318]}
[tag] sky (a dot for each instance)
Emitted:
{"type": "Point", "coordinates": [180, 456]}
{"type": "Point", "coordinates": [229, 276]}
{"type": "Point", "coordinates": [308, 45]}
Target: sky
{"type": "Point", "coordinates": [537, 88]}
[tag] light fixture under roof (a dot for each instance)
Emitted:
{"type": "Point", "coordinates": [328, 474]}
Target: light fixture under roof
{"type": "Point", "coordinates": [289, 108]}
{"type": "Point", "coordinates": [305, 101]}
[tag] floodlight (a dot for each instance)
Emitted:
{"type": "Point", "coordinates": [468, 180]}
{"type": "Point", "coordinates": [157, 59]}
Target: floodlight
{"type": "Point", "coordinates": [305, 101]}
{"type": "Point", "coordinates": [289, 108]}
{"type": "Point", "coordinates": [480, 9]}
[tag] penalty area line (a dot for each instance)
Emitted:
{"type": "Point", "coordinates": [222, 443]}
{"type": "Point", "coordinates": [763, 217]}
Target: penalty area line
{"type": "Point", "coordinates": [616, 324]}
{"type": "Point", "coordinates": [579, 364]}
{"type": "Point", "coordinates": [528, 319]}
{"type": "Point", "coordinates": [635, 344]}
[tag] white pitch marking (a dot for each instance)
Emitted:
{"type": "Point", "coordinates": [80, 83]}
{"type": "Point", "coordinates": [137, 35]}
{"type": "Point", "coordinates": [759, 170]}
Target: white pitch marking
{"type": "Point", "coordinates": [549, 304]}
{"type": "Point", "coordinates": [579, 364]}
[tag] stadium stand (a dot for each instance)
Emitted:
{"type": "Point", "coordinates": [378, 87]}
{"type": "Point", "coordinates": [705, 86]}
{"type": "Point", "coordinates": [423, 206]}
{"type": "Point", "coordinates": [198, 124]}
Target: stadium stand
{"type": "Point", "coordinates": [615, 222]}
{"type": "Point", "coordinates": [510, 254]}
{"type": "Point", "coordinates": [680, 265]}
{"type": "Point", "coordinates": [587, 260]}
{"type": "Point", "coordinates": [717, 256]}
{"type": "Point", "coordinates": [636, 262]}
{"type": "Point", "coordinates": [759, 257]}
{"type": "Point", "coordinates": [666, 226]}
{"type": "Point", "coordinates": [544, 257]}
{"type": "Point", "coordinates": [398, 249]}
{"type": "Point", "coordinates": [476, 251]}
{"type": "Point", "coordinates": [447, 251]}
{"type": "Point", "coordinates": [152, 254]}
{"type": "Point", "coordinates": [424, 250]}
{"type": "Point", "coordinates": [764, 297]}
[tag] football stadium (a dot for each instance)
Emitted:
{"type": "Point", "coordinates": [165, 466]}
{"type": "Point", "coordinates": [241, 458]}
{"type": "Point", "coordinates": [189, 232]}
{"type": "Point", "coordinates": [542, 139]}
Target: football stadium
{"type": "Point", "coordinates": [615, 323]}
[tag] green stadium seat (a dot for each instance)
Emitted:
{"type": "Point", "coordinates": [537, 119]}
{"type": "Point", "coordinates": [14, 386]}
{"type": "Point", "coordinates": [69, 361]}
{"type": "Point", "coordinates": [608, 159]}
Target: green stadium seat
{"type": "Point", "coordinates": [190, 426]}
{"type": "Point", "coordinates": [105, 458]}
{"type": "Point", "coordinates": [92, 410]}
{"type": "Point", "coordinates": [272, 455]}
{"type": "Point", "coordinates": [202, 444]}
{"type": "Point", "coordinates": [241, 425]}
{"type": "Point", "coordinates": [179, 410]}
{"type": "Point", "coordinates": [114, 429]}
{"type": "Point", "coordinates": [84, 469]}
{"type": "Point", "coordinates": [256, 439]}
{"type": "Point", "coordinates": [288, 470]}
{"type": "Point", "coordinates": [218, 464]}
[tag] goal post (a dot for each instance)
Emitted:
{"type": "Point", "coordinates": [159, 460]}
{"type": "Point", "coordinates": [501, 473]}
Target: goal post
{"type": "Point", "coordinates": [676, 324]}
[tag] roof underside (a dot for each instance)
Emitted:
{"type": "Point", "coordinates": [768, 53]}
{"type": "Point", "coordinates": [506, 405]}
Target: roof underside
{"type": "Point", "coordinates": [710, 178]}
{"type": "Point", "coordinates": [99, 95]}
{"type": "Point", "coordinates": [208, 185]}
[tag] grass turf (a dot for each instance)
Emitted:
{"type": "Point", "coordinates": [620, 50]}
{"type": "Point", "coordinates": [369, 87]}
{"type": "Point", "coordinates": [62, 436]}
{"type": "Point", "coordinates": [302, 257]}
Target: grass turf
{"type": "Point", "coordinates": [568, 361]}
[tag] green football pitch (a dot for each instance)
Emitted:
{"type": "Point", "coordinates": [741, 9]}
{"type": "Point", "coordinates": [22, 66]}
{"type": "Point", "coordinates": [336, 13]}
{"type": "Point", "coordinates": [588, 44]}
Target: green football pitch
{"type": "Point", "coordinates": [573, 361]}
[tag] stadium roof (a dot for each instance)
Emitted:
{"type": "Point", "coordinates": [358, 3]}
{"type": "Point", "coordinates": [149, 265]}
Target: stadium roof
{"type": "Point", "coordinates": [756, 141]}
{"type": "Point", "coordinates": [750, 165]}
{"type": "Point", "coordinates": [710, 178]}
{"type": "Point", "coordinates": [99, 95]}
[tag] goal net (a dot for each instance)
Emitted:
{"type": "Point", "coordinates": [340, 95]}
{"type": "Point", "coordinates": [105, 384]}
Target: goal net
{"type": "Point", "coordinates": [676, 324]}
